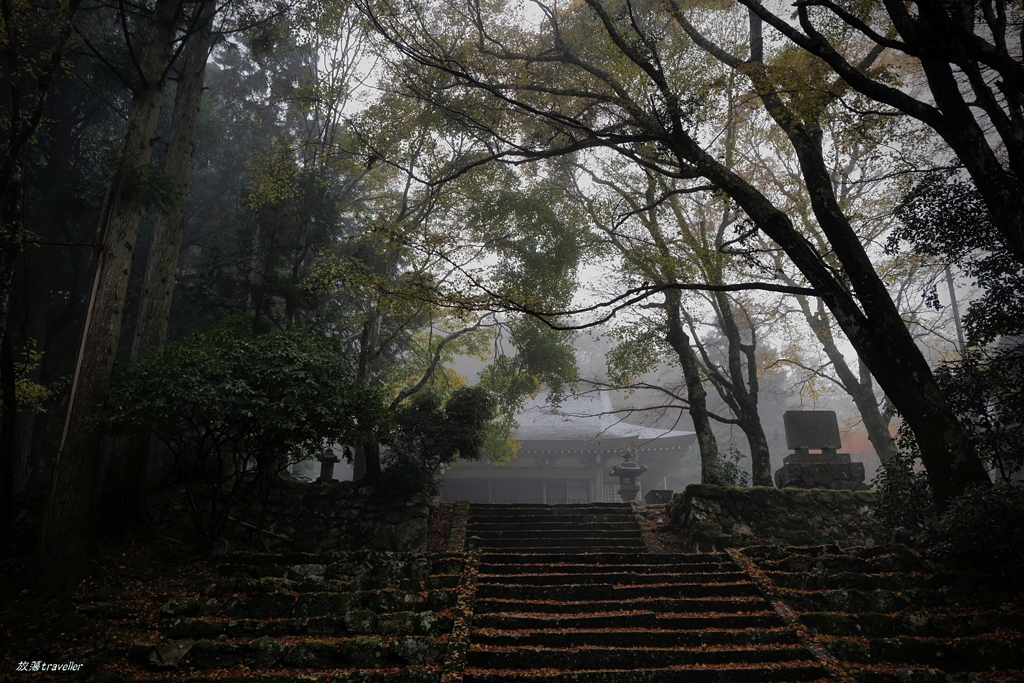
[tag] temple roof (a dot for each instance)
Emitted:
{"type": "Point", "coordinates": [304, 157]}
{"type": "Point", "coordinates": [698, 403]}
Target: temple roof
{"type": "Point", "coordinates": [586, 422]}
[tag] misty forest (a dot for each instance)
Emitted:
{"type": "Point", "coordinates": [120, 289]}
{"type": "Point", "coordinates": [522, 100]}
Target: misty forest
{"type": "Point", "coordinates": [280, 276]}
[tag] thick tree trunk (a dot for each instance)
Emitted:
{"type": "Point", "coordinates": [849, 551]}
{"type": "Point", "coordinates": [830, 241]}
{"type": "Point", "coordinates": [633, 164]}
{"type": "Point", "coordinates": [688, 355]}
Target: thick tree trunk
{"type": "Point", "coordinates": [10, 408]}
{"type": "Point", "coordinates": [710, 472]}
{"type": "Point", "coordinates": [67, 524]}
{"type": "Point", "coordinates": [122, 502]}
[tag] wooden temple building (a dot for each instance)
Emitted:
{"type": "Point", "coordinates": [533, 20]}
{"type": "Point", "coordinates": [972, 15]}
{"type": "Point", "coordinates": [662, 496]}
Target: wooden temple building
{"type": "Point", "coordinates": [565, 454]}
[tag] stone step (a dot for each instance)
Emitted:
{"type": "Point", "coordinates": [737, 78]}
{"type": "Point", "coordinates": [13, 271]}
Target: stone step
{"type": "Point", "coordinates": [964, 654]}
{"type": "Point", "coordinates": [569, 541]}
{"type": "Point", "coordinates": [787, 672]}
{"type": "Point", "coordinates": [624, 637]}
{"type": "Point", "coordinates": [722, 605]}
{"type": "Point", "coordinates": [323, 652]}
{"type": "Point", "coordinates": [273, 584]}
{"type": "Point", "coordinates": [575, 659]}
{"type": "Point", "coordinates": [895, 581]}
{"type": "Point", "coordinates": [477, 526]}
{"type": "Point", "coordinates": [405, 674]}
{"type": "Point", "coordinates": [529, 567]}
{"type": "Point", "coordinates": [831, 559]}
{"type": "Point", "coordinates": [855, 600]}
{"type": "Point", "coordinates": [355, 561]}
{"type": "Point", "coordinates": [943, 625]}
{"type": "Point", "coordinates": [394, 623]}
{"type": "Point", "coordinates": [607, 591]}
{"type": "Point", "coordinates": [305, 605]}
{"type": "Point", "coordinates": [550, 506]}
{"type": "Point", "coordinates": [616, 559]}
{"type": "Point", "coordinates": [531, 519]}
{"type": "Point", "coordinates": [627, 620]}
{"type": "Point", "coordinates": [623, 578]}
{"type": "Point", "coordinates": [561, 534]}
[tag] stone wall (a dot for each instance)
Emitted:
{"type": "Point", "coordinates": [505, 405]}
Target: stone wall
{"type": "Point", "coordinates": [339, 515]}
{"type": "Point", "coordinates": [714, 517]}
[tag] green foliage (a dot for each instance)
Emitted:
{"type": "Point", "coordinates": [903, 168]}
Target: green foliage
{"type": "Point", "coordinates": [904, 497]}
{"type": "Point", "coordinates": [33, 395]}
{"type": "Point", "coordinates": [984, 528]}
{"type": "Point", "coordinates": [429, 433]}
{"type": "Point", "coordinates": [234, 410]}
{"type": "Point", "coordinates": [730, 468]}
{"type": "Point", "coordinates": [985, 390]}
{"type": "Point", "coordinates": [544, 358]}
{"type": "Point", "coordinates": [932, 219]}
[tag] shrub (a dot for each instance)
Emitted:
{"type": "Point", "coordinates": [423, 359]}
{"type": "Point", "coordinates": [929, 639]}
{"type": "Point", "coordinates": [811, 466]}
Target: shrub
{"type": "Point", "coordinates": [429, 433]}
{"type": "Point", "coordinates": [235, 410]}
{"type": "Point", "coordinates": [984, 528]}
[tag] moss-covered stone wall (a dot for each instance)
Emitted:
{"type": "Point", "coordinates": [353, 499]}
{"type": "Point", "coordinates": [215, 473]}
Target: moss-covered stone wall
{"type": "Point", "coordinates": [339, 515]}
{"type": "Point", "coordinates": [716, 517]}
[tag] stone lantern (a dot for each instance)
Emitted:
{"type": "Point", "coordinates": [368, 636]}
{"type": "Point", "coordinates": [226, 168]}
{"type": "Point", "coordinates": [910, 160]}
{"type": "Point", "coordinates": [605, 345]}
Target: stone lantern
{"type": "Point", "coordinates": [327, 463]}
{"type": "Point", "coordinates": [628, 471]}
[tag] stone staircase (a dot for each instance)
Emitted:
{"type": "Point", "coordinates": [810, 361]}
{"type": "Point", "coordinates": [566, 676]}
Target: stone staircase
{"type": "Point", "coordinates": [567, 593]}
{"type": "Point", "coordinates": [361, 616]}
{"type": "Point", "coordinates": [888, 615]}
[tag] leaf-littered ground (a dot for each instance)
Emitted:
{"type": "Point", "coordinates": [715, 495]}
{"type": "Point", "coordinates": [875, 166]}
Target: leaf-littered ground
{"type": "Point", "coordinates": [116, 604]}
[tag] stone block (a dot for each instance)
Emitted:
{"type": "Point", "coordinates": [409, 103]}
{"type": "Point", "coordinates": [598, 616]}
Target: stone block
{"type": "Point", "coordinates": [821, 475]}
{"type": "Point", "coordinates": [658, 496]}
{"type": "Point", "coordinates": [816, 457]}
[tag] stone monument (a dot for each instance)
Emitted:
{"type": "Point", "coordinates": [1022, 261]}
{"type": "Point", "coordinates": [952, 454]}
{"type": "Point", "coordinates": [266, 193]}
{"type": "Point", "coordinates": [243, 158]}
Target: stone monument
{"type": "Point", "coordinates": [817, 430]}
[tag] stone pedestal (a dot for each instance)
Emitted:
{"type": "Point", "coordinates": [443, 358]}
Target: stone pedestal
{"type": "Point", "coordinates": [821, 475]}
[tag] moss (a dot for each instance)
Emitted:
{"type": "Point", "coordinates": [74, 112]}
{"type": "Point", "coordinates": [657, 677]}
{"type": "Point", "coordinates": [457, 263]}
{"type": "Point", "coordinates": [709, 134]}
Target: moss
{"type": "Point", "coordinates": [706, 530]}
{"type": "Point", "coordinates": [362, 621]}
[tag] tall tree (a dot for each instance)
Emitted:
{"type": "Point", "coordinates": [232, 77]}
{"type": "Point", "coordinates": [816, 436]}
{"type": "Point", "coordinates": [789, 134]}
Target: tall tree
{"type": "Point", "coordinates": [69, 508]}
{"type": "Point", "coordinates": [123, 497]}
{"type": "Point", "coordinates": [970, 54]}
{"type": "Point", "coordinates": [618, 76]}
{"type": "Point", "coordinates": [33, 40]}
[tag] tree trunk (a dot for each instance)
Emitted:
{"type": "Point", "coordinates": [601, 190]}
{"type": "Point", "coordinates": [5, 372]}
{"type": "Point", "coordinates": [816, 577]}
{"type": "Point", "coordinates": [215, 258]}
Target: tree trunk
{"type": "Point", "coordinates": [122, 504]}
{"type": "Point", "coordinates": [695, 393]}
{"type": "Point", "coordinates": [875, 422]}
{"type": "Point", "coordinates": [10, 408]}
{"type": "Point", "coordinates": [878, 331]}
{"type": "Point", "coordinates": [68, 520]}
{"type": "Point", "coordinates": [737, 390]}
{"type": "Point", "coordinates": [860, 389]}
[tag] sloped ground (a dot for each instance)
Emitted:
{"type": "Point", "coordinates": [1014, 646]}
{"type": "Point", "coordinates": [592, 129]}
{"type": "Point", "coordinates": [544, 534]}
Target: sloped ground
{"type": "Point", "coordinates": [889, 615]}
